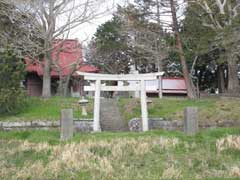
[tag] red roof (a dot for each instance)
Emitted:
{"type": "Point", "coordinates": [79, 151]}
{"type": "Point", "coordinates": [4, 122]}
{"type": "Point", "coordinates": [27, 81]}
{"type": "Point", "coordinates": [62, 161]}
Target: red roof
{"type": "Point", "coordinates": [71, 52]}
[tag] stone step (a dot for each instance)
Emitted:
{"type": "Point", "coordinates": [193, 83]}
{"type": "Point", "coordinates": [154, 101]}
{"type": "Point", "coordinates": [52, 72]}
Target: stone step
{"type": "Point", "coordinates": [110, 116]}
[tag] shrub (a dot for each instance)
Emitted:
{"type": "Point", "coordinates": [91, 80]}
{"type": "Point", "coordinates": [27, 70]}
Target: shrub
{"type": "Point", "coordinates": [12, 96]}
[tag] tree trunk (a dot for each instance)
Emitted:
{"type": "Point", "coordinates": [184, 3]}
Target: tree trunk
{"type": "Point", "coordinates": [46, 89]}
{"type": "Point", "coordinates": [159, 55]}
{"type": "Point", "coordinates": [66, 85]}
{"type": "Point", "coordinates": [233, 82]}
{"type": "Point", "coordinates": [189, 84]}
{"type": "Point", "coordinates": [60, 85]}
{"type": "Point", "coordinates": [221, 79]}
{"type": "Point", "coordinates": [63, 86]}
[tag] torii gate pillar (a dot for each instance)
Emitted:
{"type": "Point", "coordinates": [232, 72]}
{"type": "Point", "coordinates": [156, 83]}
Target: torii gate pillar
{"type": "Point", "coordinates": [144, 106]}
{"type": "Point", "coordinates": [96, 120]}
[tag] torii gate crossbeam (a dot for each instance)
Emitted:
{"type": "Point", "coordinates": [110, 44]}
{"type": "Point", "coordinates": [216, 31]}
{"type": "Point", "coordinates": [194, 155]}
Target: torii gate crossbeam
{"type": "Point", "coordinates": [98, 87]}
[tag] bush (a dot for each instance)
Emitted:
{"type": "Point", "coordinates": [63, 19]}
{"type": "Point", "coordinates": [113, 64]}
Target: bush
{"type": "Point", "coordinates": [12, 96]}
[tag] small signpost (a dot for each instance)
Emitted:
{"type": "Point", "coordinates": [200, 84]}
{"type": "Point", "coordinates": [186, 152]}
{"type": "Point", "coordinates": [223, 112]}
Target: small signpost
{"type": "Point", "coordinates": [98, 87]}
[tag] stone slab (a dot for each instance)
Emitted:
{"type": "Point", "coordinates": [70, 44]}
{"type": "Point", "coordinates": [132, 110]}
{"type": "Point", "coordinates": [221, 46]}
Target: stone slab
{"type": "Point", "coordinates": [66, 128]}
{"type": "Point", "coordinates": [191, 120]}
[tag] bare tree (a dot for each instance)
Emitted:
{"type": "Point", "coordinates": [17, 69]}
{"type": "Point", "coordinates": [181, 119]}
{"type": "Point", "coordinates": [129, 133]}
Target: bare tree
{"type": "Point", "coordinates": [155, 14]}
{"type": "Point", "coordinates": [54, 19]}
{"type": "Point", "coordinates": [57, 19]}
{"type": "Point", "coordinates": [17, 31]}
{"type": "Point", "coordinates": [145, 37]}
{"type": "Point", "coordinates": [230, 9]}
{"type": "Point", "coordinates": [65, 71]}
{"type": "Point", "coordinates": [116, 61]}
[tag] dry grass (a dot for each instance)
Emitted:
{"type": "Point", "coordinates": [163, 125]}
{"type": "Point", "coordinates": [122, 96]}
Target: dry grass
{"type": "Point", "coordinates": [94, 156]}
{"type": "Point", "coordinates": [235, 171]}
{"type": "Point", "coordinates": [229, 142]}
{"type": "Point", "coordinates": [172, 173]}
{"type": "Point", "coordinates": [140, 157]}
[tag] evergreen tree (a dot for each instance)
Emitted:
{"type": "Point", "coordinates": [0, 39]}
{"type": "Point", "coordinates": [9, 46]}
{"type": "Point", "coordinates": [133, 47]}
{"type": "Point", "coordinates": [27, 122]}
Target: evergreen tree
{"type": "Point", "coordinates": [108, 50]}
{"type": "Point", "coordinates": [222, 17]}
{"type": "Point", "coordinates": [12, 97]}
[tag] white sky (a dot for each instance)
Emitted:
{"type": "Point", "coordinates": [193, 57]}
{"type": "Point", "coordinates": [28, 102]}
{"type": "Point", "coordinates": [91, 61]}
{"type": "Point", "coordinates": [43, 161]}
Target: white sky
{"type": "Point", "coordinates": [86, 31]}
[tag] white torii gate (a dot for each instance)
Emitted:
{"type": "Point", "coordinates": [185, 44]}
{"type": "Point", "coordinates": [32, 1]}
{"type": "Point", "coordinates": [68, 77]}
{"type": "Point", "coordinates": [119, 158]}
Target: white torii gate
{"type": "Point", "coordinates": [98, 87]}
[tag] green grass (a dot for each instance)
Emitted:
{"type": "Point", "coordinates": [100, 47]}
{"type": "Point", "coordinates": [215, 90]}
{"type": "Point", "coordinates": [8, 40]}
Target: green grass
{"type": "Point", "coordinates": [172, 108]}
{"type": "Point", "coordinates": [40, 109]}
{"type": "Point", "coordinates": [118, 156]}
{"type": "Point", "coordinates": [39, 136]}
{"type": "Point", "coordinates": [210, 110]}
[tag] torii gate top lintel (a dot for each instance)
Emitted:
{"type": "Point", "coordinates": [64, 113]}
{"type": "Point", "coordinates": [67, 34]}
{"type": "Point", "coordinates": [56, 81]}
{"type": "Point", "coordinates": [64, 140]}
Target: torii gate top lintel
{"type": "Point", "coordinates": [119, 77]}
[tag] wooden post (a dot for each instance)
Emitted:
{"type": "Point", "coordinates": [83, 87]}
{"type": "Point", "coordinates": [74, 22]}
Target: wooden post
{"type": "Point", "coordinates": [144, 106]}
{"type": "Point", "coordinates": [160, 87]}
{"type": "Point", "coordinates": [66, 129]}
{"type": "Point", "coordinates": [96, 120]}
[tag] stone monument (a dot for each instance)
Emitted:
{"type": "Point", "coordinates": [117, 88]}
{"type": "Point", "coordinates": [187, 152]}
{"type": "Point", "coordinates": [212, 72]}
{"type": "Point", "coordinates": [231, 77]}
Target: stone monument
{"type": "Point", "coordinates": [191, 120]}
{"type": "Point", "coordinates": [66, 128]}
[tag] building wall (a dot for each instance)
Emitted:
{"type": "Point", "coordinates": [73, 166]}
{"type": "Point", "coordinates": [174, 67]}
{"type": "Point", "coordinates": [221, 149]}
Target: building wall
{"type": "Point", "coordinates": [76, 87]}
{"type": "Point", "coordinates": [34, 85]}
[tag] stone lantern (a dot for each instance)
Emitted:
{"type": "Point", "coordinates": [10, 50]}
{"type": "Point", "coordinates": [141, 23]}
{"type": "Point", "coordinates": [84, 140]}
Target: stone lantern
{"type": "Point", "coordinates": [83, 103]}
{"type": "Point", "coordinates": [149, 101]}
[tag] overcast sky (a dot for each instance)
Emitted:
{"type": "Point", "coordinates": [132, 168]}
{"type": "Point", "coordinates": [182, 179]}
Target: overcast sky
{"type": "Point", "coordinates": [86, 31]}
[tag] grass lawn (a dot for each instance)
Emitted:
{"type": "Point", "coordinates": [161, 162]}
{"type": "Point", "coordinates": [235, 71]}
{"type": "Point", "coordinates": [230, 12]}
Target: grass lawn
{"type": "Point", "coordinates": [211, 109]}
{"type": "Point", "coordinates": [40, 109]}
{"type": "Point", "coordinates": [168, 108]}
{"type": "Point", "coordinates": [211, 154]}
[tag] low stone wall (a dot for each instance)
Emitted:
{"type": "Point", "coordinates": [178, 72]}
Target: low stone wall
{"type": "Point", "coordinates": [223, 123]}
{"type": "Point", "coordinates": [159, 123]}
{"type": "Point", "coordinates": [84, 125]}
{"type": "Point", "coordinates": [155, 123]}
